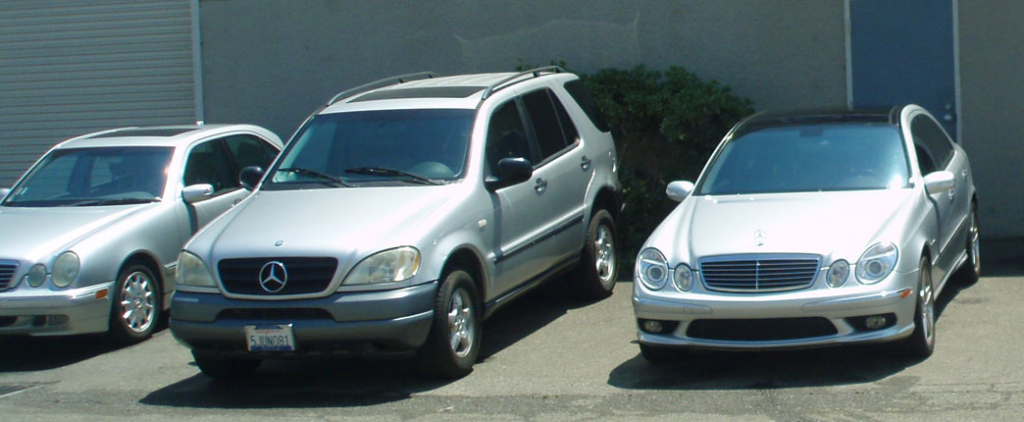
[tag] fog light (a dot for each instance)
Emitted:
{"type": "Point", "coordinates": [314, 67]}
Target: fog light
{"type": "Point", "coordinates": [652, 326]}
{"type": "Point", "coordinates": [875, 322]}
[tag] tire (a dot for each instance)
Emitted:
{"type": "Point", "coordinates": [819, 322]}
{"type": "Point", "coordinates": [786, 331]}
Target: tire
{"type": "Point", "coordinates": [453, 343]}
{"type": "Point", "coordinates": [227, 369]}
{"type": "Point", "coordinates": [599, 268]}
{"type": "Point", "coordinates": [137, 304]}
{"type": "Point", "coordinates": [921, 342]}
{"type": "Point", "coordinates": [970, 272]}
{"type": "Point", "coordinates": [660, 355]}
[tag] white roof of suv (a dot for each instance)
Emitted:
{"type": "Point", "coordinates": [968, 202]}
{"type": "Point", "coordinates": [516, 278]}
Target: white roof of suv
{"type": "Point", "coordinates": [426, 90]}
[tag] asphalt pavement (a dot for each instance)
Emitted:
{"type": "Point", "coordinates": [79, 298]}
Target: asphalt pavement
{"type": "Point", "coordinates": [548, 357]}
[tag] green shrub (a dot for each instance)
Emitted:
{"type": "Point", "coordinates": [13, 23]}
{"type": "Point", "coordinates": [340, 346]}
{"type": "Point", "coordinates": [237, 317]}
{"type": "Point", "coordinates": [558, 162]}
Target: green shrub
{"type": "Point", "coordinates": [666, 125]}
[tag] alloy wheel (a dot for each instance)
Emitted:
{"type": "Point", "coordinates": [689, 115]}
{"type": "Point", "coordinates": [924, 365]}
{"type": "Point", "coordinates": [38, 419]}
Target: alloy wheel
{"type": "Point", "coordinates": [138, 302]}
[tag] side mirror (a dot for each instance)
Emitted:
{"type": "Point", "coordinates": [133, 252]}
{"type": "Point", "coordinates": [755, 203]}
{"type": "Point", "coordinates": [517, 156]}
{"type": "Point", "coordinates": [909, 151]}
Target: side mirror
{"type": "Point", "coordinates": [510, 171]}
{"type": "Point", "coordinates": [4, 192]}
{"type": "Point", "coordinates": [939, 181]}
{"type": "Point", "coordinates": [679, 190]}
{"type": "Point", "coordinates": [196, 193]}
{"type": "Point", "coordinates": [250, 176]}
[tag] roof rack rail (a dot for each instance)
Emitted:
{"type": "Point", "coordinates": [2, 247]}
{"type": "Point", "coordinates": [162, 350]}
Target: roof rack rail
{"type": "Point", "coordinates": [535, 72]}
{"type": "Point", "coordinates": [394, 80]}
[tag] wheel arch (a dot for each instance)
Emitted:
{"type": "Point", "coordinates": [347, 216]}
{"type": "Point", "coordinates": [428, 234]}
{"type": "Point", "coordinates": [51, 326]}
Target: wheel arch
{"type": "Point", "coordinates": [468, 260]}
{"type": "Point", "coordinates": [146, 259]}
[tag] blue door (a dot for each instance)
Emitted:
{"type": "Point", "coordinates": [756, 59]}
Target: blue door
{"type": "Point", "coordinates": [902, 53]}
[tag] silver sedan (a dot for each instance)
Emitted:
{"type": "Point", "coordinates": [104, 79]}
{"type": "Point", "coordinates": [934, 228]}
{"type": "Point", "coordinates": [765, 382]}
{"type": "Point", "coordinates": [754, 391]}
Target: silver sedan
{"type": "Point", "coordinates": [811, 230]}
{"type": "Point", "coordinates": [89, 236]}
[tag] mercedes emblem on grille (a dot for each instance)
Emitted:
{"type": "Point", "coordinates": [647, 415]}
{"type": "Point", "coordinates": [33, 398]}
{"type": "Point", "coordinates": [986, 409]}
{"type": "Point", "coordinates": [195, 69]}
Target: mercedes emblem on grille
{"type": "Point", "coordinates": [759, 237]}
{"type": "Point", "coordinates": [273, 276]}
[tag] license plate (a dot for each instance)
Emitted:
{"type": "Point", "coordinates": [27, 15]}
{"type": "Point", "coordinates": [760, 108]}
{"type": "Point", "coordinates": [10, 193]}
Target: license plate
{"type": "Point", "coordinates": [269, 338]}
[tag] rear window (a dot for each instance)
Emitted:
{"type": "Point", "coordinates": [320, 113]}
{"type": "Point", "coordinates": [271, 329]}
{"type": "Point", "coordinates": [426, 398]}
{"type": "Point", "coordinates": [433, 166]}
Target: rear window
{"type": "Point", "coordinates": [586, 101]}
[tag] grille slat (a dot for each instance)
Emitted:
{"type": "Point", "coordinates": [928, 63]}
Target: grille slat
{"type": "Point", "coordinates": [6, 274]}
{"type": "Point", "coordinates": [763, 273]}
{"type": "Point", "coordinates": [305, 275]}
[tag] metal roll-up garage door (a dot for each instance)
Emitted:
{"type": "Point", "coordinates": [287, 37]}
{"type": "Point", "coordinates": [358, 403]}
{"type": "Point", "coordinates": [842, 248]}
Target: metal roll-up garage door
{"type": "Point", "coordinates": [69, 67]}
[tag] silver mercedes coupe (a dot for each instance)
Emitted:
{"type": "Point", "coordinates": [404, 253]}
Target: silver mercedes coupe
{"type": "Point", "coordinates": [89, 237]}
{"type": "Point", "coordinates": [811, 229]}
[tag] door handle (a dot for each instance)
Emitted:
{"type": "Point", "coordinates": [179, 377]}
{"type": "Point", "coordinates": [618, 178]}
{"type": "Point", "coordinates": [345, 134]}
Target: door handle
{"type": "Point", "coordinates": [541, 185]}
{"type": "Point", "coordinates": [964, 173]}
{"type": "Point", "coordinates": [585, 164]}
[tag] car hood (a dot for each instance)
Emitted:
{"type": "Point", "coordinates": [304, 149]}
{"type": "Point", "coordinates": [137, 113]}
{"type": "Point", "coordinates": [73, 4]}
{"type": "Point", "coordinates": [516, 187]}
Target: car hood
{"type": "Point", "coordinates": [342, 222]}
{"type": "Point", "coordinates": [31, 234]}
{"type": "Point", "coordinates": [831, 224]}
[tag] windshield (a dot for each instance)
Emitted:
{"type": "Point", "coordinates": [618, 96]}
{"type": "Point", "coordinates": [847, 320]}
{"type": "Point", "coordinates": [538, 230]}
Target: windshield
{"type": "Point", "coordinates": [419, 146]}
{"type": "Point", "coordinates": [94, 176]}
{"type": "Point", "coordinates": [809, 158]}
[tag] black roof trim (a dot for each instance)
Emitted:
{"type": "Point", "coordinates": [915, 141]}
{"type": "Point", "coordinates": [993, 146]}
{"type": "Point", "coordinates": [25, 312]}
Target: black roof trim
{"type": "Point", "coordinates": [419, 92]}
{"type": "Point", "coordinates": [821, 116]}
{"type": "Point", "coordinates": [394, 80]}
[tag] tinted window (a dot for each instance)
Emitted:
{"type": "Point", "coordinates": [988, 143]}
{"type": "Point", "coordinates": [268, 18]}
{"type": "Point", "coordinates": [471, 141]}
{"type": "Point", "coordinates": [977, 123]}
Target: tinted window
{"type": "Point", "coordinates": [506, 136]}
{"type": "Point", "coordinates": [545, 123]}
{"type": "Point", "coordinates": [932, 141]}
{"type": "Point", "coordinates": [208, 163]}
{"type": "Point", "coordinates": [569, 131]}
{"type": "Point", "coordinates": [586, 101]}
{"type": "Point", "coordinates": [94, 176]}
{"type": "Point", "coordinates": [250, 151]}
{"type": "Point", "coordinates": [808, 159]}
{"type": "Point", "coordinates": [430, 143]}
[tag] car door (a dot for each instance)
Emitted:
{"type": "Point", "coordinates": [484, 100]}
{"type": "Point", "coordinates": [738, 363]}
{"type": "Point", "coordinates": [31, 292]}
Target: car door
{"type": "Point", "coordinates": [564, 168]}
{"type": "Point", "coordinates": [935, 153]}
{"type": "Point", "coordinates": [519, 210]}
{"type": "Point", "coordinates": [210, 162]}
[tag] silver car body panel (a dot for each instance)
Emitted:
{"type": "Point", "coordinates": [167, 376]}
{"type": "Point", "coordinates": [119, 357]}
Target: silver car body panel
{"type": "Point", "coordinates": [832, 225]}
{"type": "Point", "coordinates": [103, 237]}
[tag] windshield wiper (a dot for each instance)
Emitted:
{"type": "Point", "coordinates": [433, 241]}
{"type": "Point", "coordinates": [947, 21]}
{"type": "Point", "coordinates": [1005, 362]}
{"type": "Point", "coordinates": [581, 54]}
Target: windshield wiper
{"type": "Point", "coordinates": [335, 181]}
{"type": "Point", "coordinates": [113, 201]}
{"type": "Point", "coordinates": [390, 172]}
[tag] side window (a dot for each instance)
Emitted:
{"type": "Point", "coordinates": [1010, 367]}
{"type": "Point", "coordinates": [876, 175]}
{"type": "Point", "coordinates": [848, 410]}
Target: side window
{"type": "Point", "coordinates": [506, 136]}
{"type": "Point", "coordinates": [586, 101]}
{"type": "Point", "coordinates": [929, 139]}
{"type": "Point", "coordinates": [250, 151]}
{"type": "Point", "coordinates": [209, 163]}
{"type": "Point", "coordinates": [568, 128]}
{"type": "Point", "coordinates": [545, 123]}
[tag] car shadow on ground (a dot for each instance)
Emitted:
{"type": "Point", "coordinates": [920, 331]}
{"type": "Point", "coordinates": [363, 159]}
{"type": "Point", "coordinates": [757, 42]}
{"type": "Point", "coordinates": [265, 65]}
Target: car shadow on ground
{"type": "Point", "coordinates": [25, 354]}
{"type": "Point", "coordinates": [349, 382]}
{"type": "Point", "coordinates": [718, 370]}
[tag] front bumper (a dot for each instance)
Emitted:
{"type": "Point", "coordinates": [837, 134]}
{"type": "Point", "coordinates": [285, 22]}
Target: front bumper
{"type": "Point", "coordinates": [56, 313]}
{"type": "Point", "coordinates": [393, 322]}
{"type": "Point", "coordinates": [795, 319]}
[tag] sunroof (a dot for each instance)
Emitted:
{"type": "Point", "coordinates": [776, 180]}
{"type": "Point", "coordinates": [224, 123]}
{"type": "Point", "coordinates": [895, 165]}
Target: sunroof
{"type": "Point", "coordinates": [422, 92]}
{"type": "Point", "coordinates": [161, 132]}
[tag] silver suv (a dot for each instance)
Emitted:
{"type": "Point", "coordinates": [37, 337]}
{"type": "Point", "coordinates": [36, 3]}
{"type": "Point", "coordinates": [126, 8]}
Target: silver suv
{"type": "Point", "coordinates": [400, 215]}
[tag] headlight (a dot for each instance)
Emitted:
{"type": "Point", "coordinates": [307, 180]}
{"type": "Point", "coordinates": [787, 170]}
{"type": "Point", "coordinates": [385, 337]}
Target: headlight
{"type": "Point", "coordinates": [65, 269]}
{"type": "Point", "coordinates": [652, 269]}
{"type": "Point", "coordinates": [390, 266]}
{"type": "Point", "coordinates": [876, 263]}
{"type": "Point", "coordinates": [192, 271]}
{"type": "Point", "coordinates": [683, 278]}
{"type": "Point", "coordinates": [36, 275]}
{"type": "Point", "coordinates": [838, 273]}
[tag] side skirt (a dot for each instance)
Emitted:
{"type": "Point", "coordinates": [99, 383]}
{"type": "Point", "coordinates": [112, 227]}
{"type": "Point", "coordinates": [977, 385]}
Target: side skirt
{"type": "Point", "coordinates": [559, 268]}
